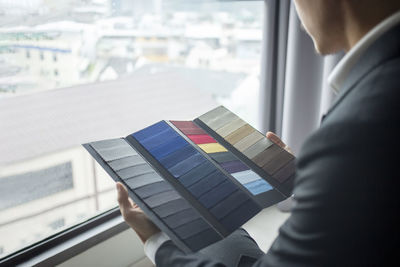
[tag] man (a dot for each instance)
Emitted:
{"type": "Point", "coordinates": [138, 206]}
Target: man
{"type": "Point", "coordinates": [347, 177]}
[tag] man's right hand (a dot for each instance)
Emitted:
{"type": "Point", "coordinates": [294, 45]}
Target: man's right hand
{"type": "Point", "coordinates": [277, 140]}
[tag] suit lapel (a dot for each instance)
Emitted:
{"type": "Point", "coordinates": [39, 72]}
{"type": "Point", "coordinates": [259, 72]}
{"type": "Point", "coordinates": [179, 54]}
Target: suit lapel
{"type": "Point", "coordinates": [382, 50]}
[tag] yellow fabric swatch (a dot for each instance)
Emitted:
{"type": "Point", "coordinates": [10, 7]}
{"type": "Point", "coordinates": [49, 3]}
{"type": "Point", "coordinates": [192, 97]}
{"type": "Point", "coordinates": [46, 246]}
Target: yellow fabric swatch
{"type": "Point", "coordinates": [212, 148]}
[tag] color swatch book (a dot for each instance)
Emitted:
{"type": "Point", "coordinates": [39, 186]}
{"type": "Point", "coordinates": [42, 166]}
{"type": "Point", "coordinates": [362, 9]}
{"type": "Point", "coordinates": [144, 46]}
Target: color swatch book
{"type": "Point", "coordinates": [200, 180]}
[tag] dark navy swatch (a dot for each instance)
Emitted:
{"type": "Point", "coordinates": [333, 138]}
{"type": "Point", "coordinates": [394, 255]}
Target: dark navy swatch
{"type": "Point", "coordinates": [197, 173]}
{"type": "Point", "coordinates": [191, 228]}
{"type": "Point", "coordinates": [202, 239]}
{"type": "Point", "coordinates": [207, 183]}
{"type": "Point", "coordinates": [240, 215]}
{"type": "Point", "coordinates": [227, 205]}
{"type": "Point", "coordinates": [218, 193]}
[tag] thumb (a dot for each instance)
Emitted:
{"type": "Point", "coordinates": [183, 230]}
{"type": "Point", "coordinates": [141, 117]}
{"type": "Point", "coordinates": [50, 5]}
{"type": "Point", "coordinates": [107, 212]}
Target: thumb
{"type": "Point", "coordinates": [274, 138]}
{"type": "Point", "coordinates": [123, 197]}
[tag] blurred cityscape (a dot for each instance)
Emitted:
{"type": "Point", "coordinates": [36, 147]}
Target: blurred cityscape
{"type": "Point", "coordinates": [106, 39]}
{"type": "Point", "coordinates": [214, 46]}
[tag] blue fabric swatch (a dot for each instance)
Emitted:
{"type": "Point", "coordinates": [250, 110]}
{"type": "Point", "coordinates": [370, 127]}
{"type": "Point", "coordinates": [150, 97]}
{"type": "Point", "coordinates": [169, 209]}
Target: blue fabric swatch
{"type": "Point", "coordinates": [197, 173]}
{"type": "Point", "coordinates": [217, 194]}
{"type": "Point", "coordinates": [186, 165]}
{"type": "Point", "coordinates": [259, 186]}
{"type": "Point", "coordinates": [167, 148]}
{"type": "Point", "coordinates": [151, 130]}
{"type": "Point", "coordinates": [207, 183]}
{"type": "Point", "coordinates": [158, 139]}
{"type": "Point", "coordinates": [176, 157]}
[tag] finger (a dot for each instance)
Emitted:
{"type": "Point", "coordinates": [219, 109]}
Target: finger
{"type": "Point", "coordinates": [123, 197]}
{"type": "Point", "coordinates": [274, 138]}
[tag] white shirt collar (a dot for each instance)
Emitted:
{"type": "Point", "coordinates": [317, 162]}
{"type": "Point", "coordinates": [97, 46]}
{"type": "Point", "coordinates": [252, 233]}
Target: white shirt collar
{"type": "Point", "coordinates": [342, 69]}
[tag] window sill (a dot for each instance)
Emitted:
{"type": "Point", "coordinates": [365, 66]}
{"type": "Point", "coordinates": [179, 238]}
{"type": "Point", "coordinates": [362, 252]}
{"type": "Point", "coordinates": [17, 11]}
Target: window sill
{"type": "Point", "coordinates": [70, 242]}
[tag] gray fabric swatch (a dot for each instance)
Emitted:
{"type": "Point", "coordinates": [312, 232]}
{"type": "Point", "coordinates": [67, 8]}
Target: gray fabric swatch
{"type": "Point", "coordinates": [161, 198]}
{"type": "Point", "coordinates": [171, 207]}
{"type": "Point", "coordinates": [134, 171]}
{"type": "Point", "coordinates": [181, 218]}
{"type": "Point", "coordinates": [142, 180]}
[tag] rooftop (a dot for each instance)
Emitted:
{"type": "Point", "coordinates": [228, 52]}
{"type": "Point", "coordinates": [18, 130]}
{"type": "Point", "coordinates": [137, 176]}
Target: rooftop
{"type": "Point", "coordinates": [49, 121]}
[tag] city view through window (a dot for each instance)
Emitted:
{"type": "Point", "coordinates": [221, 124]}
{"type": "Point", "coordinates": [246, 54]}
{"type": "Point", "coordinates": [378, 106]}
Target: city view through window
{"type": "Point", "coordinates": [73, 71]}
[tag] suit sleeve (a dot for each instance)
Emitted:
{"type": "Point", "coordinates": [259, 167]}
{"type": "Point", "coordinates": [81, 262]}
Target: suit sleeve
{"type": "Point", "coordinates": [345, 195]}
{"type": "Point", "coordinates": [169, 255]}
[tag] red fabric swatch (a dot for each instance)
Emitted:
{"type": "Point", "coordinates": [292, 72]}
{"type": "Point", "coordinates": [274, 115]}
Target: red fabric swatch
{"type": "Point", "coordinates": [202, 139]}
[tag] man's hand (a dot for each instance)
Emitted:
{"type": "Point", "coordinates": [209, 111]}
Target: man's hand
{"type": "Point", "coordinates": [274, 138]}
{"type": "Point", "coordinates": [134, 216]}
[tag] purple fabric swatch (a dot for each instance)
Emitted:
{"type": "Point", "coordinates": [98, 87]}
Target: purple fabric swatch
{"type": "Point", "coordinates": [234, 166]}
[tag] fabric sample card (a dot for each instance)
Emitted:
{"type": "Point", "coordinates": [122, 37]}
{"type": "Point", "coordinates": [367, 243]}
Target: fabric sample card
{"type": "Point", "coordinates": [202, 239]}
{"type": "Point", "coordinates": [142, 180]}
{"type": "Point", "coordinates": [123, 163]}
{"type": "Point", "coordinates": [178, 156]}
{"type": "Point", "coordinates": [257, 148]}
{"type": "Point", "coordinates": [239, 134]}
{"type": "Point", "coordinates": [158, 139]}
{"type": "Point", "coordinates": [207, 183]}
{"type": "Point", "coordinates": [106, 144]}
{"type": "Point", "coordinates": [278, 162]}
{"type": "Point", "coordinates": [161, 198]}
{"type": "Point", "coordinates": [150, 131]}
{"type": "Point", "coordinates": [234, 166]}
{"type": "Point", "coordinates": [223, 156]}
{"type": "Point", "coordinates": [134, 171]}
{"type": "Point", "coordinates": [285, 172]}
{"type": "Point", "coordinates": [171, 207]}
{"type": "Point", "coordinates": [201, 139]}
{"type": "Point", "coordinates": [212, 148]}
{"type": "Point", "coordinates": [197, 173]}
{"type": "Point", "coordinates": [152, 189]}
{"type": "Point", "coordinates": [246, 176]}
{"type": "Point", "coordinates": [114, 153]}
{"type": "Point", "coordinates": [228, 204]}
{"type": "Point", "coordinates": [258, 186]}
{"type": "Point", "coordinates": [231, 127]}
{"type": "Point", "coordinates": [267, 155]}
{"type": "Point", "coordinates": [248, 141]}
{"type": "Point", "coordinates": [186, 165]}
{"type": "Point", "coordinates": [191, 228]}
{"type": "Point", "coordinates": [238, 215]}
{"type": "Point", "coordinates": [181, 218]}
{"type": "Point", "coordinates": [168, 148]}
{"type": "Point", "coordinates": [217, 194]}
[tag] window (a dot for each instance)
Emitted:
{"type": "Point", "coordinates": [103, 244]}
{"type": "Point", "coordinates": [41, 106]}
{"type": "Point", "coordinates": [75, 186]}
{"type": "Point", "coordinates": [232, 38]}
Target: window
{"type": "Point", "coordinates": [119, 65]}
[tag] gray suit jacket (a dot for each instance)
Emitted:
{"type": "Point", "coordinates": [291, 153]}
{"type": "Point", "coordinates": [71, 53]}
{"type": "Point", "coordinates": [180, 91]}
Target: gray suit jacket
{"type": "Point", "coordinates": [347, 177]}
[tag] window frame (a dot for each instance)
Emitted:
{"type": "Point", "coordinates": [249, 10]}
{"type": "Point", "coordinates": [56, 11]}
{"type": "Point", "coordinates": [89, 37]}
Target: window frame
{"type": "Point", "coordinates": [55, 249]}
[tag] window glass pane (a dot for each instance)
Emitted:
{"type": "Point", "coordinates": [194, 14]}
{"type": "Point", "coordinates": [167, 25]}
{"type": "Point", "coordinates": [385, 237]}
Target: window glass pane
{"type": "Point", "coordinates": [73, 71]}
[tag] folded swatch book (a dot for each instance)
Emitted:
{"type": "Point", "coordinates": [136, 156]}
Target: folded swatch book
{"type": "Point", "coordinates": [199, 180]}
